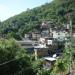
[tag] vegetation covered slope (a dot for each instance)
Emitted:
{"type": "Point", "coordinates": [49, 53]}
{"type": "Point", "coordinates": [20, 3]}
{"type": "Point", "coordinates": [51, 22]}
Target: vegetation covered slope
{"type": "Point", "coordinates": [14, 60]}
{"type": "Point", "coordinates": [56, 11]}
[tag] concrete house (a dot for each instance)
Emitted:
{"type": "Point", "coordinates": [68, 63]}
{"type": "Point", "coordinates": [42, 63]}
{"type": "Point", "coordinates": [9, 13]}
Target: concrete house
{"type": "Point", "coordinates": [36, 35]}
{"type": "Point", "coordinates": [27, 44]}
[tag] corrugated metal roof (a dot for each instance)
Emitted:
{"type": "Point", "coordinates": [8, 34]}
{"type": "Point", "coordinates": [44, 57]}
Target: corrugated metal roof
{"type": "Point", "coordinates": [50, 58]}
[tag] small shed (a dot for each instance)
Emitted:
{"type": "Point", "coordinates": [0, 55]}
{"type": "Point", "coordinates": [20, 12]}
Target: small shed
{"type": "Point", "coordinates": [49, 62]}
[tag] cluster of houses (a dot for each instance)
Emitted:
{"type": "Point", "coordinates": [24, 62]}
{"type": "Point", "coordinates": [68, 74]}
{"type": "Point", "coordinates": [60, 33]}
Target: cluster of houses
{"type": "Point", "coordinates": [47, 42]}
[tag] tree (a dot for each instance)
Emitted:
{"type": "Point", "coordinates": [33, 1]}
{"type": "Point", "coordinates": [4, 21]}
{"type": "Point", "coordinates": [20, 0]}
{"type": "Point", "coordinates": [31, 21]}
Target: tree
{"type": "Point", "coordinates": [14, 59]}
{"type": "Point", "coordinates": [14, 35]}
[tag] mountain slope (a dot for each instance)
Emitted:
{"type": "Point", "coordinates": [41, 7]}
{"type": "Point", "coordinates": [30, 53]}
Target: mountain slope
{"type": "Point", "coordinates": [31, 19]}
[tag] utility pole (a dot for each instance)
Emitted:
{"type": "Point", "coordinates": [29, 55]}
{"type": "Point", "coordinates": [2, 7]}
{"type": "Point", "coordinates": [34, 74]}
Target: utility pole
{"type": "Point", "coordinates": [70, 51]}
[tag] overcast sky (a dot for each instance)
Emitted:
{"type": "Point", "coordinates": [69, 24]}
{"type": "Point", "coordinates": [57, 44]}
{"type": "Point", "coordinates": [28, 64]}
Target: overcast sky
{"type": "Point", "coordinates": [10, 8]}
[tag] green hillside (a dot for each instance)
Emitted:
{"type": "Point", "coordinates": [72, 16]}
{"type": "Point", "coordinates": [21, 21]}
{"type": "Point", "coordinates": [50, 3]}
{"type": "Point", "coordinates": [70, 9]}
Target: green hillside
{"type": "Point", "coordinates": [56, 11]}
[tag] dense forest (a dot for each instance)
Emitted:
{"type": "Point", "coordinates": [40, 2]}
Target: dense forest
{"type": "Point", "coordinates": [56, 11]}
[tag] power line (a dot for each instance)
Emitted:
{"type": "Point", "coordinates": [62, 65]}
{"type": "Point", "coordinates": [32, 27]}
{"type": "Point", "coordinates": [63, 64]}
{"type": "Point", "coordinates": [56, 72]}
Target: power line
{"type": "Point", "coordinates": [10, 61]}
{"type": "Point", "coordinates": [7, 62]}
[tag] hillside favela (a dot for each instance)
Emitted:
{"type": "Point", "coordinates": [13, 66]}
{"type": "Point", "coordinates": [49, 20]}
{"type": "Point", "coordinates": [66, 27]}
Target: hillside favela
{"type": "Point", "coordinates": [39, 39]}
